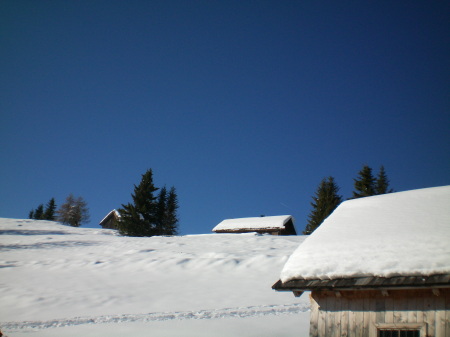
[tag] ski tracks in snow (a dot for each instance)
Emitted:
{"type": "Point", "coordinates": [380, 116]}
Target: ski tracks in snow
{"type": "Point", "coordinates": [239, 312]}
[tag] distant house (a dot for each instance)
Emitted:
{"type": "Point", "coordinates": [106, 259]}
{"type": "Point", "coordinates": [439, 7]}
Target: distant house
{"type": "Point", "coordinates": [275, 225]}
{"type": "Point", "coordinates": [110, 220]}
{"type": "Point", "coordinates": [378, 266]}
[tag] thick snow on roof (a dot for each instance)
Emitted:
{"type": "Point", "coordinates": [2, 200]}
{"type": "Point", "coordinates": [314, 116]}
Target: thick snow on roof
{"type": "Point", "coordinates": [405, 233]}
{"type": "Point", "coordinates": [256, 223]}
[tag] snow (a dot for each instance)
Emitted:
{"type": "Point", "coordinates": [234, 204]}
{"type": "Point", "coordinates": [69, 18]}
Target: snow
{"type": "Point", "coordinates": [57, 280]}
{"type": "Point", "coordinates": [255, 223]}
{"type": "Point", "coordinates": [405, 233]}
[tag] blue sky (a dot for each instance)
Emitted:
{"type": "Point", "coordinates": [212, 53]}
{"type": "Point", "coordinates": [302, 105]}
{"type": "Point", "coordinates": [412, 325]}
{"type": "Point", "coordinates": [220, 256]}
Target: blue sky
{"type": "Point", "coordinates": [243, 106]}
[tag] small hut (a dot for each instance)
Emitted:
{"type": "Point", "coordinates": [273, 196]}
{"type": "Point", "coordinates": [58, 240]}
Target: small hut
{"type": "Point", "coordinates": [274, 225]}
{"type": "Point", "coordinates": [377, 267]}
{"type": "Point", "coordinates": [110, 220]}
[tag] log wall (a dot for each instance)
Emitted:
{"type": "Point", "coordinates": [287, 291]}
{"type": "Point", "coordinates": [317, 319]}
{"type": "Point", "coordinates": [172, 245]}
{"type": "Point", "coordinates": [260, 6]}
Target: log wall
{"type": "Point", "coordinates": [361, 313]}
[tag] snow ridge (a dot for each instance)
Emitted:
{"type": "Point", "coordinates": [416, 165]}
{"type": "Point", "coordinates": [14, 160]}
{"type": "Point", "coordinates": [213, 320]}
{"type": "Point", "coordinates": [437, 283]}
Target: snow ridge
{"type": "Point", "coordinates": [239, 312]}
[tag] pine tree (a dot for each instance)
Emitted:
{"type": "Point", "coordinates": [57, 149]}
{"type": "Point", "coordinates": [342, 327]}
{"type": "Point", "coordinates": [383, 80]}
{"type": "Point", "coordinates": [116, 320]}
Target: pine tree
{"type": "Point", "coordinates": [39, 212]}
{"type": "Point", "coordinates": [382, 183]}
{"type": "Point", "coordinates": [74, 211]}
{"type": "Point", "coordinates": [324, 203]}
{"type": "Point", "coordinates": [139, 218]}
{"type": "Point", "coordinates": [50, 209]}
{"type": "Point", "coordinates": [31, 214]}
{"type": "Point", "coordinates": [364, 184]}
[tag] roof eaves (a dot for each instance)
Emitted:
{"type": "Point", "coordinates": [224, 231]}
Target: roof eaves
{"type": "Point", "coordinates": [247, 229]}
{"type": "Point", "coordinates": [365, 283]}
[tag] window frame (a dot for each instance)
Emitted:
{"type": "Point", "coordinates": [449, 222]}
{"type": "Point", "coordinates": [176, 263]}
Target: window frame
{"type": "Point", "coordinates": [421, 327]}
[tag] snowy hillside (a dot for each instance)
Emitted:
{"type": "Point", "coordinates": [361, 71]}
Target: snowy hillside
{"type": "Point", "coordinates": [62, 281]}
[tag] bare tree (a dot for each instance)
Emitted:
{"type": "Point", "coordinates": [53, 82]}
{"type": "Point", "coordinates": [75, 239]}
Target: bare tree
{"type": "Point", "coordinates": [74, 211]}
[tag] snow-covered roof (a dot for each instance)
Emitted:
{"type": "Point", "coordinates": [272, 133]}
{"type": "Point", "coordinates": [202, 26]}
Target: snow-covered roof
{"type": "Point", "coordinates": [114, 211]}
{"type": "Point", "coordinates": [405, 233]}
{"type": "Point", "coordinates": [254, 224]}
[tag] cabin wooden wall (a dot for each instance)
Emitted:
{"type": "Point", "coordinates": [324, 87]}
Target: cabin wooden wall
{"type": "Point", "coordinates": [110, 223]}
{"type": "Point", "coordinates": [357, 313]}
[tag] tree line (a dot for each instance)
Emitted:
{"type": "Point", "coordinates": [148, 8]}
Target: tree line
{"type": "Point", "coordinates": [40, 214]}
{"type": "Point", "coordinates": [152, 213]}
{"type": "Point", "coordinates": [149, 214]}
{"type": "Point", "coordinates": [326, 198]}
{"type": "Point", "coordinates": [73, 211]}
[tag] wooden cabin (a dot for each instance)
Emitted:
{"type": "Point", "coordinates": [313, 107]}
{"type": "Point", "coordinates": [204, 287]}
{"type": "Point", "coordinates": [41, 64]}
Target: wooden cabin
{"type": "Point", "coordinates": [274, 225]}
{"type": "Point", "coordinates": [110, 220]}
{"type": "Point", "coordinates": [378, 267]}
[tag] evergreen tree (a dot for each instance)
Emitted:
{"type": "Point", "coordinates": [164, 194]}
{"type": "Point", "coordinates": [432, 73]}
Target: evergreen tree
{"type": "Point", "coordinates": [74, 211]}
{"type": "Point", "coordinates": [39, 212]}
{"type": "Point", "coordinates": [364, 184]}
{"type": "Point", "coordinates": [139, 218]}
{"type": "Point", "coordinates": [171, 219]}
{"type": "Point", "coordinates": [324, 203]}
{"type": "Point", "coordinates": [382, 183]}
{"type": "Point", "coordinates": [161, 211]}
{"type": "Point", "coordinates": [31, 214]}
{"type": "Point", "coordinates": [50, 210]}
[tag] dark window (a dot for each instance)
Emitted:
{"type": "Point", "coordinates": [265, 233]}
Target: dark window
{"type": "Point", "coordinates": [399, 333]}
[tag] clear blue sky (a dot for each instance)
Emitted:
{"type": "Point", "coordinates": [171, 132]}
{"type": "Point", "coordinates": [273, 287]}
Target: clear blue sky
{"type": "Point", "coordinates": [243, 106]}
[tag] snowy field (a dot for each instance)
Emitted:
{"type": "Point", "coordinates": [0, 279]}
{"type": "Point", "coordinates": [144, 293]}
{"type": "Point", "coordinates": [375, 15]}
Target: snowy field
{"type": "Point", "coordinates": [62, 281]}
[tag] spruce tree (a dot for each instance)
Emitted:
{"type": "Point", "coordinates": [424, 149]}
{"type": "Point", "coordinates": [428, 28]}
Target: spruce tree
{"type": "Point", "coordinates": [139, 218]}
{"type": "Point", "coordinates": [324, 203]}
{"type": "Point", "coordinates": [74, 211]}
{"type": "Point", "coordinates": [382, 182]}
{"type": "Point", "coordinates": [161, 211]}
{"type": "Point", "coordinates": [50, 210]}
{"type": "Point", "coordinates": [31, 214]}
{"type": "Point", "coordinates": [39, 212]}
{"type": "Point", "coordinates": [171, 220]}
{"type": "Point", "coordinates": [364, 184]}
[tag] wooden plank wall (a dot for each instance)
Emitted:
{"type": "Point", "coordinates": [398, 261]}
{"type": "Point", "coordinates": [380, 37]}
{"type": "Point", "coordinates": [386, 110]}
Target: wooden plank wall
{"type": "Point", "coordinates": [356, 313]}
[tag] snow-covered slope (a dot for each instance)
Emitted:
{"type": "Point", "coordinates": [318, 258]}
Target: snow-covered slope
{"type": "Point", "coordinates": [405, 233]}
{"type": "Point", "coordinates": [54, 275]}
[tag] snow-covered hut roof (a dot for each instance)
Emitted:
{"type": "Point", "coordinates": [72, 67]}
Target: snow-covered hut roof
{"type": "Point", "coordinates": [397, 234]}
{"type": "Point", "coordinates": [114, 212]}
{"type": "Point", "coordinates": [255, 224]}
